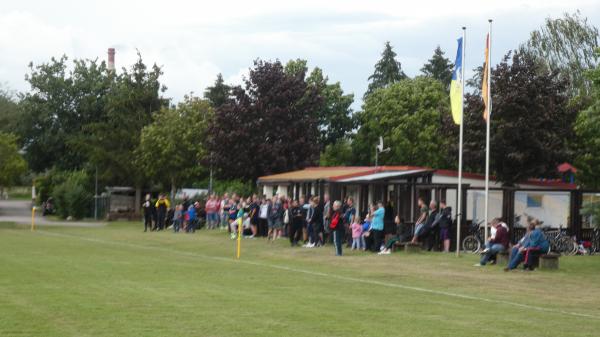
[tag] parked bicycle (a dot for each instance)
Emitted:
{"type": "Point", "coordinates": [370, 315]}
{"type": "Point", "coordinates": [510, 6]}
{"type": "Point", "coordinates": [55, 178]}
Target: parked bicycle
{"type": "Point", "coordinates": [560, 241]}
{"type": "Point", "coordinates": [474, 242]}
{"type": "Point", "coordinates": [595, 247]}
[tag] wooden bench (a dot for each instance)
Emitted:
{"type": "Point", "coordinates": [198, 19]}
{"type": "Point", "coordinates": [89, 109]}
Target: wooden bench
{"type": "Point", "coordinates": [502, 258]}
{"type": "Point", "coordinates": [549, 261]}
{"type": "Point", "coordinates": [409, 247]}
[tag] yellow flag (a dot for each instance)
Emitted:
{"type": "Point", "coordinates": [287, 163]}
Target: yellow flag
{"type": "Point", "coordinates": [484, 83]}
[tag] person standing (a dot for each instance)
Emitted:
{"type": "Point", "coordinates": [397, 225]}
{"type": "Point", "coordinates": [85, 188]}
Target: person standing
{"type": "Point", "coordinates": [212, 216]}
{"type": "Point", "coordinates": [253, 214]}
{"type": "Point", "coordinates": [317, 222]}
{"type": "Point", "coordinates": [349, 213]}
{"type": "Point", "coordinates": [310, 211]}
{"type": "Point", "coordinates": [224, 209]}
{"type": "Point", "coordinates": [326, 216]}
{"type": "Point", "coordinates": [263, 217]}
{"type": "Point", "coordinates": [377, 227]}
{"type": "Point", "coordinates": [445, 223]}
{"type": "Point", "coordinates": [297, 219]}
{"type": "Point", "coordinates": [192, 217]}
{"type": "Point", "coordinates": [358, 241]}
{"type": "Point", "coordinates": [275, 218]}
{"type": "Point", "coordinates": [389, 226]}
{"type": "Point", "coordinates": [162, 206]}
{"type": "Point", "coordinates": [148, 209]}
{"type": "Point", "coordinates": [337, 227]}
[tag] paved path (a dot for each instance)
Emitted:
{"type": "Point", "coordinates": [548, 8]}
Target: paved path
{"type": "Point", "coordinates": [19, 211]}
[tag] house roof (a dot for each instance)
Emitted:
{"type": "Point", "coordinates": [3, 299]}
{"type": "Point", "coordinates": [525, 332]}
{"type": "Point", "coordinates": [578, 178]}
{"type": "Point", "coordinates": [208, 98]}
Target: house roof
{"type": "Point", "coordinates": [383, 175]}
{"type": "Point", "coordinates": [314, 173]}
{"type": "Point", "coordinates": [335, 173]}
{"type": "Point", "coordinates": [348, 174]}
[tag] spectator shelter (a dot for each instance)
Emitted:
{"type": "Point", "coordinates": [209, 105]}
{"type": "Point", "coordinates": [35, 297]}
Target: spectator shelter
{"type": "Point", "coordinates": [555, 202]}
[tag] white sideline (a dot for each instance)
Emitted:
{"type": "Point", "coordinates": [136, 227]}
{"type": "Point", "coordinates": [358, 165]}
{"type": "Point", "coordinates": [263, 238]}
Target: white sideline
{"type": "Point", "coordinates": [339, 277]}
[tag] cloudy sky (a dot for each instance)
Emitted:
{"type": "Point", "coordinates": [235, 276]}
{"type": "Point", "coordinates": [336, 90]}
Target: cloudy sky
{"type": "Point", "coordinates": [193, 40]}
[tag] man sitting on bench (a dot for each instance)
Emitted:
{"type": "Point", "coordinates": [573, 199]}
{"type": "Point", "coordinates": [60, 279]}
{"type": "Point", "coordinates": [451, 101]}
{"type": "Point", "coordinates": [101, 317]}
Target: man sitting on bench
{"type": "Point", "coordinates": [535, 243]}
{"type": "Point", "coordinates": [497, 243]}
{"type": "Point", "coordinates": [425, 233]}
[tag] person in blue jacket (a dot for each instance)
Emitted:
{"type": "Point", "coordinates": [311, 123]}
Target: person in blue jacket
{"type": "Point", "coordinates": [534, 242]}
{"type": "Point", "coordinates": [377, 227]}
{"type": "Point", "coordinates": [192, 218]}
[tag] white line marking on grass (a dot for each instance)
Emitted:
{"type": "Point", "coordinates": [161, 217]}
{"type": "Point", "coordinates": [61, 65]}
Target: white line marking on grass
{"type": "Point", "coordinates": [339, 277]}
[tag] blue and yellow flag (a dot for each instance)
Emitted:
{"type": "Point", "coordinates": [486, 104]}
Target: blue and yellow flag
{"type": "Point", "coordinates": [456, 94]}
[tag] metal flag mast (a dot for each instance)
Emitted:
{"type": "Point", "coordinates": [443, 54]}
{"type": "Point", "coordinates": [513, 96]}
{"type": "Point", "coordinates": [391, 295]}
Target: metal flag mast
{"type": "Point", "coordinates": [460, 141]}
{"type": "Point", "coordinates": [487, 129]}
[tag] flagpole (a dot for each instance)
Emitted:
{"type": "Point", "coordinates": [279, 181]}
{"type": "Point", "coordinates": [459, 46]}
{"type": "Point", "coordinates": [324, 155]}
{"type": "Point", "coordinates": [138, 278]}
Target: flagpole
{"type": "Point", "coordinates": [487, 130]}
{"type": "Point", "coordinates": [460, 143]}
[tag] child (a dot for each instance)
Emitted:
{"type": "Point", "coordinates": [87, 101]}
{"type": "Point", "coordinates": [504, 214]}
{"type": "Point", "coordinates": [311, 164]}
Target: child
{"type": "Point", "coordinates": [238, 221]}
{"type": "Point", "coordinates": [366, 230]}
{"type": "Point", "coordinates": [177, 218]}
{"type": "Point", "coordinates": [358, 241]}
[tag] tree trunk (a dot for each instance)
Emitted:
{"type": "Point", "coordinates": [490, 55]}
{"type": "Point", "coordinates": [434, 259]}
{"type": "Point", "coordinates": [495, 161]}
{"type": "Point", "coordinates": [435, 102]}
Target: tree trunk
{"type": "Point", "coordinates": [173, 190]}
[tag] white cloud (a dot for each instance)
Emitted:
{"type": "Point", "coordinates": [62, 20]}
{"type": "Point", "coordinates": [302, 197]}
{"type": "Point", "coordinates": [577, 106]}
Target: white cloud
{"type": "Point", "coordinates": [194, 41]}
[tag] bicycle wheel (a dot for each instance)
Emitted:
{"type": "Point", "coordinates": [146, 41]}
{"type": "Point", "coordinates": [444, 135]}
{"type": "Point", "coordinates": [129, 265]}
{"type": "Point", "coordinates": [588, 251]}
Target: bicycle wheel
{"type": "Point", "coordinates": [470, 244]}
{"type": "Point", "coordinates": [567, 246]}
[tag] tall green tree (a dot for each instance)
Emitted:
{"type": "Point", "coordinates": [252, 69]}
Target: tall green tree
{"type": "Point", "coordinates": [337, 154]}
{"type": "Point", "coordinates": [172, 147]}
{"type": "Point", "coordinates": [387, 71]}
{"type": "Point", "coordinates": [439, 67]}
{"type": "Point", "coordinates": [12, 164]}
{"type": "Point", "coordinates": [566, 45]}
{"type": "Point", "coordinates": [10, 116]}
{"type": "Point", "coordinates": [219, 93]}
{"type": "Point", "coordinates": [530, 124]}
{"type": "Point", "coordinates": [269, 126]}
{"type": "Point", "coordinates": [335, 115]}
{"type": "Point", "coordinates": [587, 130]}
{"type": "Point", "coordinates": [109, 144]}
{"type": "Point", "coordinates": [408, 116]}
{"type": "Point", "coordinates": [56, 109]}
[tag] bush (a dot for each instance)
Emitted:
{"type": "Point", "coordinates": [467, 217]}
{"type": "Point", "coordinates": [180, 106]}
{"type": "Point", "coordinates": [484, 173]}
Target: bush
{"type": "Point", "coordinates": [72, 196]}
{"type": "Point", "coordinates": [45, 183]}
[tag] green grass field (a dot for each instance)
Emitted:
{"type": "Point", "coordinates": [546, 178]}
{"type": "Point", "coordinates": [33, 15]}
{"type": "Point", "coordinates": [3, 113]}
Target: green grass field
{"type": "Point", "coordinates": [118, 281]}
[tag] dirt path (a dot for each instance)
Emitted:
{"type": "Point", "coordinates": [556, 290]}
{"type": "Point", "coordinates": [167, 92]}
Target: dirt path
{"type": "Point", "coordinates": [19, 211]}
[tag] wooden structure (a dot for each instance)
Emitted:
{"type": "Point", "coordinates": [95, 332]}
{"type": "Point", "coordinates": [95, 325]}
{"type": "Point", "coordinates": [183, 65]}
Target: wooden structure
{"type": "Point", "coordinates": [556, 202]}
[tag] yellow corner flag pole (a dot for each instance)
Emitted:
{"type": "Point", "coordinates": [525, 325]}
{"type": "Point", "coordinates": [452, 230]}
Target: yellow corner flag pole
{"type": "Point", "coordinates": [239, 238]}
{"type": "Point", "coordinates": [32, 218]}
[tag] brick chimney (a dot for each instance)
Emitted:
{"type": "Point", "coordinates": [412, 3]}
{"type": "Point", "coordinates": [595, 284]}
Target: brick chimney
{"type": "Point", "coordinates": [111, 59]}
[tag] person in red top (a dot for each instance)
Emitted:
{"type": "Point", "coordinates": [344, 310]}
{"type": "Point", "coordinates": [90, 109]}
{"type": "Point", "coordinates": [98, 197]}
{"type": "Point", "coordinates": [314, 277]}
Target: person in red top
{"type": "Point", "coordinates": [212, 209]}
{"type": "Point", "coordinates": [497, 244]}
{"type": "Point", "coordinates": [337, 227]}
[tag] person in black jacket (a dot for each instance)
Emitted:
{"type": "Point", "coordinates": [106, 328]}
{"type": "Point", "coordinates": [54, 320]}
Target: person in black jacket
{"type": "Point", "coordinates": [316, 221]}
{"type": "Point", "coordinates": [297, 220]}
{"type": "Point", "coordinates": [148, 209]}
{"type": "Point", "coordinates": [445, 224]}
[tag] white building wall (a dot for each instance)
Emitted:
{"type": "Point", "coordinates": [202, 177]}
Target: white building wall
{"type": "Point", "coordinates": [282, 190]}
{"type": "Point", "coordinates": [268, 190]}
{"type": "Point", "coordinates": [442, 179]}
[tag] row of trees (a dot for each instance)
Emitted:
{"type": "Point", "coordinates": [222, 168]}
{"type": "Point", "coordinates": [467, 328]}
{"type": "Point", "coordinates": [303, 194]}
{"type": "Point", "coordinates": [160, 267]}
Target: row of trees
{"type": "Point", "coordinates": [286, 116]}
